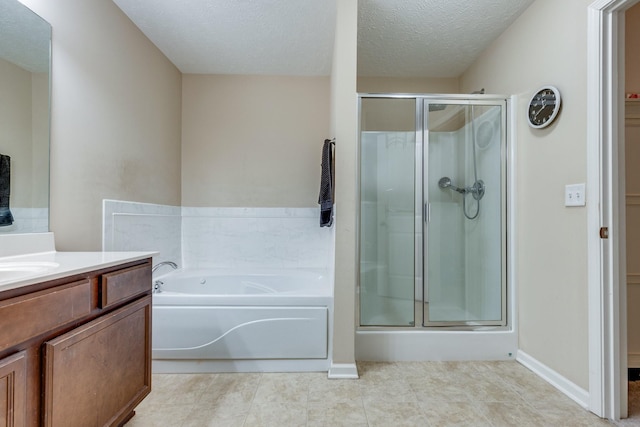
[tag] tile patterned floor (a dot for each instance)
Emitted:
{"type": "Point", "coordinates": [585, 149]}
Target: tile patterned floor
{"type": "Point", "coordinates": [425, 394]}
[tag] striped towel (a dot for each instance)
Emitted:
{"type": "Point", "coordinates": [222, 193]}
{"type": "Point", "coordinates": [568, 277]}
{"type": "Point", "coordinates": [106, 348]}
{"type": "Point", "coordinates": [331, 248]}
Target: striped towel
{"type": "Point", "coordinates": [5, 188]}
{"type": "Point", "coordinates": [325, 199]}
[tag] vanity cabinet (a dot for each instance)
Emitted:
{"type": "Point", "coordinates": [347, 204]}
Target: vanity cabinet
{"type": "Point", "coordinates": [76, 351]}
{"type": "Point", "coordinates": [95, 372]}
{"type": "Point", "coordinates": [13, 385]}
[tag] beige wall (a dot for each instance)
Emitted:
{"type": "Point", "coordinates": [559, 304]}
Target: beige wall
{"type": "Point", "coordinates": [253, 140]}
{"type": "Point", "coordinates": [344, 113]}
{"type": "Point", "coordinates": [115, 121]}
{"type": "Point", "coordinates": [408, 85]}
{"type": "Point", "coordinates": [16, 125]}
{"type": "Point", "coordinates": [552, 246]}
{"type": "Point", "coordinates": [24, 120]}
{"type": "Point", "coordinates": [397, 114]}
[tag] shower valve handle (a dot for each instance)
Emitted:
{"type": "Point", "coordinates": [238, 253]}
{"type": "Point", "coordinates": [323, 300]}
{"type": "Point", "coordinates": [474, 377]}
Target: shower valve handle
{"type": "Point", "coordinates": [445, 182]}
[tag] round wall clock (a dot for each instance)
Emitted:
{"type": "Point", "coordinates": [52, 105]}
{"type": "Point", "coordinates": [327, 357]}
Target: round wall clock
{"type": "Point", "coordinates": [543, 107]}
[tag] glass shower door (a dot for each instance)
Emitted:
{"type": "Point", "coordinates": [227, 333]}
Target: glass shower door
{"type": "Point", "coordinates": [463, 187]}
{"type": "Point", "coordinates": [387, 211]}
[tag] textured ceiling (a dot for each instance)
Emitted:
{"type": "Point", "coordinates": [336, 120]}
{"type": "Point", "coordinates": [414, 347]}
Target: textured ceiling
{"type": "Point", "coordinates": [429, 38]}
{"type": "Point", "coordinates": [396, 38]}
{"type": "Point", "coordinates": [277, 37]}
{"type": "Point", "coordinates": [24, 37]}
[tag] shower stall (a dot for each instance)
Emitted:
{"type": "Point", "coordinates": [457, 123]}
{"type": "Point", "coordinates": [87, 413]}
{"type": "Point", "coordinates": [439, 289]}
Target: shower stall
{"type": "Point", "coordinates": [433, 218]}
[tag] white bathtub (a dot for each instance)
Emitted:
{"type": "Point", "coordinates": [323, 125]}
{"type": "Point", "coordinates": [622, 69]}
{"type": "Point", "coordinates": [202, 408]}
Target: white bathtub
{"type": "Point", "coordinates": [225, 321]}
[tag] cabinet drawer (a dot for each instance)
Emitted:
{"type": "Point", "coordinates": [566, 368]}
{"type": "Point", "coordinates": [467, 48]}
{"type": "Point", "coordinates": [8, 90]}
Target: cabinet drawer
{"type": "Point", "coordinates": [124, 284]}
{"type": "Point", "coordinates": [25, 317]}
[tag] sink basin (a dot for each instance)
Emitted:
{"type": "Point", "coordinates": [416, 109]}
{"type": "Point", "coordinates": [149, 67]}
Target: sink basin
{"type": "Point", "coordinates": [16, 270]}
{"type": "Point", "coordinates": [27, 266]}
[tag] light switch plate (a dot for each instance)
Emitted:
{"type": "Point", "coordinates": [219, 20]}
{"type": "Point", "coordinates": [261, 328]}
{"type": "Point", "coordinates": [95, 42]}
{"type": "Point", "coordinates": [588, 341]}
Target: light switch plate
{"type": "Point", "coordinates": [574, 195]}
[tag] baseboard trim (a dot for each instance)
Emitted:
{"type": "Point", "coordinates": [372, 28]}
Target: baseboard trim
{"type": "Point", "coordinates": [573, 391]}
{"type": "Point", "coordinates": [343, 371]}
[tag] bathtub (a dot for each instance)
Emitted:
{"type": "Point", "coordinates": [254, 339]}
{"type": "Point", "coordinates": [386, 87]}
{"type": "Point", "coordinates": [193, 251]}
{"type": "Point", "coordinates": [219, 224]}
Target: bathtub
{"type": "Point", "coordinates": [229, 321]}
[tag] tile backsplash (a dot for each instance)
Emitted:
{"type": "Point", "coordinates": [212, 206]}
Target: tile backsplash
{"type": "Point", "coordinates": [28, 220]}
{"type": "Point", "coordinates": [221, 237]}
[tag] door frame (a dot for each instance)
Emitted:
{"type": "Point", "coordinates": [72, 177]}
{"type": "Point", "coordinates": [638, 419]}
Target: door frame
{"type": "Point", "coordinates": [605, 187]}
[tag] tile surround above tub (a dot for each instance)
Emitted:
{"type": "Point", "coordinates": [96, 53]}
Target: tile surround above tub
{"type": "Point", "coordinates": [195, 237]}
{"type": "Point", "coordinates": [131, 226]}
{"type": "Point", "coordinates": [255, 238]}
{"type": "Point", "coordinates": [28, 220]}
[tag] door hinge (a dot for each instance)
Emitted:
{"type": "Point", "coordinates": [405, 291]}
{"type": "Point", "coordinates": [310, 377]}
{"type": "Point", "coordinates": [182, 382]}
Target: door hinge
{"type": "Point", "coordinates": [604, 232]}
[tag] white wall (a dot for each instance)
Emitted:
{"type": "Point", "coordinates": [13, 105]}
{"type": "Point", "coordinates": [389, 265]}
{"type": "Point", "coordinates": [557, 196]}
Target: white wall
{"type": "Point", "coordinates": [115, 120]}
{"type": "Point", "coordinates": [253, 140]}
{"type": "Point", "coordinates": [547, 45]}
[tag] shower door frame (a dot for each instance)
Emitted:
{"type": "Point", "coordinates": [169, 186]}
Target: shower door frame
{"type": "Point", "coordinates": [507, 323]}
{"type": "Point", "coordinates": [422, 200]}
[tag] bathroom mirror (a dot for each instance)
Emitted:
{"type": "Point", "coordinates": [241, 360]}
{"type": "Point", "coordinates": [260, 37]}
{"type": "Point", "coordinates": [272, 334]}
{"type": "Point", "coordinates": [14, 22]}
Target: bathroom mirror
{"type": "Point", "coordinates": [25, 52]}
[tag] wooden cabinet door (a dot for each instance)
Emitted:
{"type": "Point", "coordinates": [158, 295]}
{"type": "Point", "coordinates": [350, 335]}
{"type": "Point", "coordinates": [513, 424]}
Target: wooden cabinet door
{"type": "Point", "coordinates": [96, 374]}
{"type": "Point", "coordinates": [13, 390]}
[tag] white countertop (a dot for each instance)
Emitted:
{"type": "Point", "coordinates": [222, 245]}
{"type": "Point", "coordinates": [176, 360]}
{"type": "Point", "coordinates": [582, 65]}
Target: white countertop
{"type": "Point", "coordinates": [28, 269]}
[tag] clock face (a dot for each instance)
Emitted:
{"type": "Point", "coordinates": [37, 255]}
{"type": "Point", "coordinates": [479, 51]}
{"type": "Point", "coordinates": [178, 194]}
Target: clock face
{"type": "Point", "coordinates": [544, 107]}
